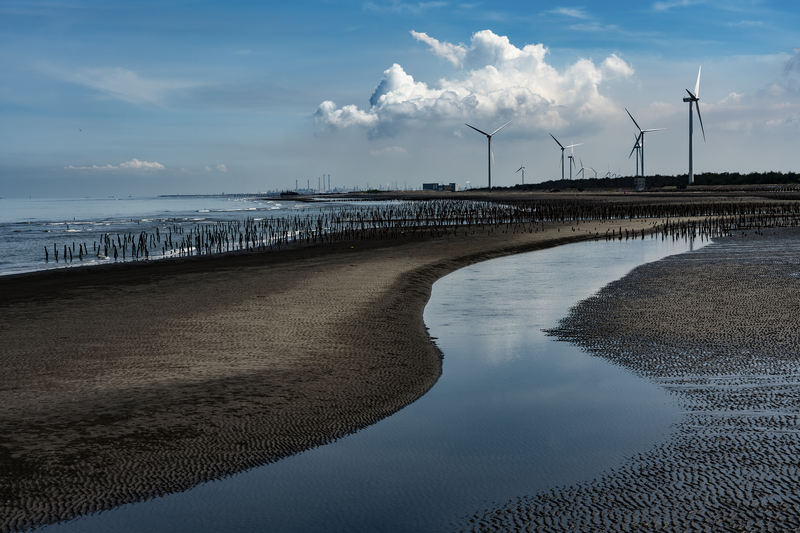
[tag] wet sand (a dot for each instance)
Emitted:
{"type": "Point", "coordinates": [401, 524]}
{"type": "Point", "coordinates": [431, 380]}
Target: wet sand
{"type": "Point", "coordinates": [124, 382]}
{"type": "Point", "coordinates": [719, 329]}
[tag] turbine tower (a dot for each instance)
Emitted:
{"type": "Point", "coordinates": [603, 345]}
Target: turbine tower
{"type": "Point", "coordinates": [595, 172]}
{"type": "Point", "coordinates": [562, 156]}
{"type": "Point", "coordinates": [522, 168]}
{"type": "Point", "coordinates": [694, 98]}
{"type": "Point", "coordinates": [640, 138]}
{"type": "Point", "coordinates": [571, 158]}
{"type": "Point", "coordinates": [489, 136]}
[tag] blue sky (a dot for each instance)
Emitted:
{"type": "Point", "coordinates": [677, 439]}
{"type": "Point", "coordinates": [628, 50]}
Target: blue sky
{"type": "Point", "coordinates": [140, 98]}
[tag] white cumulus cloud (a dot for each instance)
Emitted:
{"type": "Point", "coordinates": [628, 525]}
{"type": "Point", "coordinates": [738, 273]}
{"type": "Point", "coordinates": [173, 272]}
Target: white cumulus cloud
{"type": "Point", "coordinates": [451, 52]}
{"type": "Point", "coordinates": [208, 168]}
{"type": "Point", "coordinates": [499, 82]}
{"type": "Point", "coordinates": [222, 168]}
{"type": "Point", "coordinates": [133, 164]}
{"type": "Point", "coordinates": [615, 67]}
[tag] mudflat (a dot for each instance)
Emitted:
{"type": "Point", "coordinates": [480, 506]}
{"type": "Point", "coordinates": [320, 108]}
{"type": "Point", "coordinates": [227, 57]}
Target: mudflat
{"type": "Point", "coordinates": [719, 329]}
{"type": "Point", "coordinates": [124, 382]}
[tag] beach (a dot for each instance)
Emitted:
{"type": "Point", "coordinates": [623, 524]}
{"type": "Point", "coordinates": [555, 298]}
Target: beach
{"type": "Point", "coordinates": [125, 382]}
{"type": "Point", "coordinates": [129, 381]}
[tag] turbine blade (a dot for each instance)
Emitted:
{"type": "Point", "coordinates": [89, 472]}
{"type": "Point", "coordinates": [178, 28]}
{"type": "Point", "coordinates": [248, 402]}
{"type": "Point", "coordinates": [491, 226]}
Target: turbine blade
{"type": "Point", "coordinates": [697, 85]}
{"type": "Point", "coordinates": [573, 145]}
{"type": "Point", "coordinates": [654, 129]}
{"type": "Point", "coordinates": [701, 121]}
{"type": "Point", "coordinates": [520, 168]}
{"type": "Point", "coordinates": [633, 119]}
{"type": "Point", "coordinates": [501, 127]}
{"type": "Point", "coordinates": [476, 129]}
{"type": "Point", "coordinates": [556, 140]}
{"type": "Point", "coordinates": [635, 145]}
{"type": "Point", "coordinates": [693, 96]}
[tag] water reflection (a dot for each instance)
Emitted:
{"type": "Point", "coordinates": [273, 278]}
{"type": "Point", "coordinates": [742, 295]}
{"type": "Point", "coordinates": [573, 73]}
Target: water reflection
{"type": "Point", "coordinates": [514, 412]}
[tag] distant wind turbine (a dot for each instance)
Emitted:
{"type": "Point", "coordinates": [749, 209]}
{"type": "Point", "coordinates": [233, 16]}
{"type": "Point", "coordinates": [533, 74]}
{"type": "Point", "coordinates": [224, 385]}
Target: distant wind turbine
{"type": "Point", "coordinates": [562, 156]}
{"type": "Point", "coordinates": [694, 98]}
{"type": "Point", "coordinates": [581, 171]}
{"type": "Point", "coordinates": [595, 172]}
{"type": "Point", "coordinates": [489, 136]}
{"type": "Point", "coordinates": [522, 168]}
{"type": "Point", "coordinates": [641, 138]}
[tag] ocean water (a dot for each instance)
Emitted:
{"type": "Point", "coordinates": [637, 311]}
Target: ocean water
{"type": "Point", "coordinates": [515, 412]}
{"type": "Point", "coordinates": [29, 225]}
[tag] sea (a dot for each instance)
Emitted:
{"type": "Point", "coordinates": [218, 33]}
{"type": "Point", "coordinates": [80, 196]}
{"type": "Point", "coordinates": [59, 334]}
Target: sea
{"type": "Point", "coordinates": [29, 226]}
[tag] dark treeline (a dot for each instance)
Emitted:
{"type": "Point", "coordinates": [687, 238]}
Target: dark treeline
{"type": "Point", "coordinates": [708, 178]}
{"type": "Point", "coordinates": [424, 218]}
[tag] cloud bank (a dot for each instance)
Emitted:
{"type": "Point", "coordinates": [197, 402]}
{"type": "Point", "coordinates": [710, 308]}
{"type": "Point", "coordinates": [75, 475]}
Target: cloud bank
{"type": "Point", "coordinates": [133, 164]}
{"type": "Point", "coordinates": [499, 82]}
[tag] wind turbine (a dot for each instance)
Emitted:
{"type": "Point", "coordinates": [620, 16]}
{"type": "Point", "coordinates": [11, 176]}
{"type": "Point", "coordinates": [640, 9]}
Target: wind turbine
{"type": "Point", "coordinates": [636, 148]}
{"type": "Point", "coordinates": [641, 137]}
{"type": "Point", "coordinates": [562, 156]}
{"type": "Point", "coordinates": [522, 168]}
{"type": "Point", "coordinates": [489, 136]}
{"type": "Point", "coordinates": [694, 98]}
{"type": "Point", "coordinates": [581, 171]}
{"type": "Point", "coordinates": [595, 172]}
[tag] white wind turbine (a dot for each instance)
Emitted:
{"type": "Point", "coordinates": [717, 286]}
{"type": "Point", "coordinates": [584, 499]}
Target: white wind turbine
{"type": "Point", "coordinates": [522, 168]}
{"type": "Point", "coordinates": [595, 172]}
{"type": "Point", "coordinates": [489, 136]}
{"type": "Point", "coordinates": [640, 138]}
{"type": "Point", "coordinates": [562, 156]}
{"type": "Point", "coordinates": [581, 171]}
{"type": "Point", "coordinates": [694, 98]}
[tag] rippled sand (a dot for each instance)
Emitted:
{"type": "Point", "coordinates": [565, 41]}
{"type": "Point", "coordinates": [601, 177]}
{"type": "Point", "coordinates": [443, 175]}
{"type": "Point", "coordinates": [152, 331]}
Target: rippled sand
{"type": "Point", "coordinates": [720, 329]}
{"type": "Point", "coordinates": [121, 383]}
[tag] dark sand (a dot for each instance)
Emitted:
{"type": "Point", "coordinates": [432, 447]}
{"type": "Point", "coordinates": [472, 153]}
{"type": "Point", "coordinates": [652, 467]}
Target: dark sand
{"type": "Point", "coordinates": [124, 382]}
{"type": "Point", "coordinates": [720, 329]}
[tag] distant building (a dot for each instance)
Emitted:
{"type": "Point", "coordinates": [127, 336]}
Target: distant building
{"type": "Point", "coordinates": [450, 187]}
{"type": "Point", "coordinates": [639, 183]}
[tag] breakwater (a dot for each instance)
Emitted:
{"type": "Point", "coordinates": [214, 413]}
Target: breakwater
{"type": "Point", "coordinates": [426, 218]}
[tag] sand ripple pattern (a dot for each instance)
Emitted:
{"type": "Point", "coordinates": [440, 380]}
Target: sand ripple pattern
{"type": "Point", "coordinates": [719, 329]}
{"type": "Point", "coordinates": [129, 382]}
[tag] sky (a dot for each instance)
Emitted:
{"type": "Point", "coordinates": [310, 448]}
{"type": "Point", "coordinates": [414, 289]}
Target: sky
{"type": "Point", "coordinates": [199, 97]}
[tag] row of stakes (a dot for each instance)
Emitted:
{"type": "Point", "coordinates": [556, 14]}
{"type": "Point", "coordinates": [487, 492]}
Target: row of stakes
{"type": "Point", "coordinates": [419, 218]}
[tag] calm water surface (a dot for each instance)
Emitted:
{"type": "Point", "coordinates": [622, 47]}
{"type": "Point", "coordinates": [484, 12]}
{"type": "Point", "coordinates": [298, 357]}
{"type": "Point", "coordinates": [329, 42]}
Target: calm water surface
{"type": "Point", "coordinates": [513, 413]}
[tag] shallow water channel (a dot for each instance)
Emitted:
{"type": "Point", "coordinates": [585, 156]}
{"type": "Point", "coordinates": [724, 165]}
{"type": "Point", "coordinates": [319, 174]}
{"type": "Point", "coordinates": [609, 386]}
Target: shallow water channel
{"type": "Point", "coordinates": [514, 412]}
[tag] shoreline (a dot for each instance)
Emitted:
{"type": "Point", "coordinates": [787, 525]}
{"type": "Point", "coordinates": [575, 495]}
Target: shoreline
{"type": "Point", "coordinates": [717, 328]}
{"type": "Point", "coordinates": [144, 379]}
